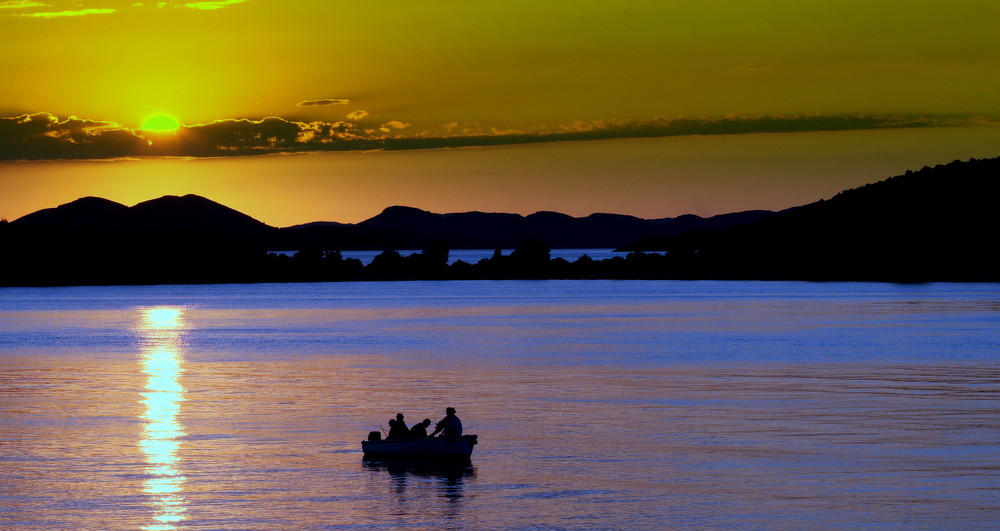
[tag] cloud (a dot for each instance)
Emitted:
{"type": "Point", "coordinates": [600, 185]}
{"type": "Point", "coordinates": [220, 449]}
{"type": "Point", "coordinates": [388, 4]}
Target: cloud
{"type": "Point", "coordinates": [394, 124]}
{"type": "Point", "coordinates": [34, 13]}
{"type": "Point", "coordinates": [60, 14]}
{"type": "Point", "coordinates": [324, 101]}
{"type": "Point", "coordinates": [357, 115]}
{"type": "Point", "coordinates": [471, 135]}
{"type": "Point", "coordinates": [43, 136]}
{"type": "Point", "coordinates": [270, 134]}
{"type": "Point", "coordinates": [20, 4]}
{"type": "Point", "coordinates": [327, 133]}
{"type": "Point", "coordinates": [218, 4]}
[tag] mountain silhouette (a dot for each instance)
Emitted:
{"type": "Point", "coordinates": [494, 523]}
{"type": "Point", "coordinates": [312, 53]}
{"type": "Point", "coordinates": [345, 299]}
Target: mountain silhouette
{"type": "Point", "coordinates": [197, 214]}
{"type": "Point", "coordinates": [408, 227]}
{"type": "Point", "coordinates": [84, 212]}
{"type": "Point", "coordinates": [933, 223]}
{"type": "Point", "coordinates": [189, 213]}
{"type": "Point", "coordinates": [396, 227]}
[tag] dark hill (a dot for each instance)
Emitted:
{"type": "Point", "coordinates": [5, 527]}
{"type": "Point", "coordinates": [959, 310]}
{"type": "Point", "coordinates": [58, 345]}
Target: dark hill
{"type": "Point", "coordinates": [167, 240]}
{"type": "Point", "coordinates": [395, 216]}
{"type": "Point", "coordinates": [396, 227]}
{"type": "Point", "coordinates": [320, 224]}
{"type": "Point", "coordinates": [190, 213]}
{"type": "Point", "coordinates": [194, 214]}
{"type": "Point", "coordinates": [84, 212]}
{"type": "Point", "coordinates": [406, 227]}
{"type": "Point", "coordinates": [936, 223]}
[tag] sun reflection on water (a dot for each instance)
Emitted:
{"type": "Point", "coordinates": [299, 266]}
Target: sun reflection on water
{"type": "Point", "coordinates": [161, 331]}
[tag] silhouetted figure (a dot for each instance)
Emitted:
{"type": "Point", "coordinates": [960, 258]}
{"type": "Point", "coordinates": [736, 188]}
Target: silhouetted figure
{"type": "Point", "coordinates": [397, 428]}
{"type": "Point", "coordinates": [450, 425]}
{"type": "Point", "coordinates": [420, 429]}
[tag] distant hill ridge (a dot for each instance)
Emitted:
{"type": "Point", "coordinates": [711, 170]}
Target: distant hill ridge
{"type": "Point", "coordinates": [934, 208]}
{"type": "Point", "coordinates": [935, 224]}
{"type": "Point", "coordinates": [189, 213]}
{"type": "Point", "coordinates": [395, 227]}
{"type": "Point", "coordinates": [940, 208]}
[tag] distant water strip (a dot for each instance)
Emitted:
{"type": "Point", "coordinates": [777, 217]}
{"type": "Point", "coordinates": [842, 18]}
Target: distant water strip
{"type": "Point", "coordinates": [472, 256]}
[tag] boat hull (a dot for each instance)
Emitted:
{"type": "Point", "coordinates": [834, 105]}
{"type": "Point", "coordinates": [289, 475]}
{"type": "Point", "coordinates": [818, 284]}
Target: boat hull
{"type": "Point", "coordinates": [431, 448]}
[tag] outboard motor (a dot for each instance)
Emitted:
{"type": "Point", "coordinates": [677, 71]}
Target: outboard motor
{"type": "Point", "coordinates": [374, 436]}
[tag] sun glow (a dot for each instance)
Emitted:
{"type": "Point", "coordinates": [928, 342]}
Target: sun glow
{"type": "Point", "coordinates": [161, 330]}
{"type": "Point", "coordinates": [160, 123]}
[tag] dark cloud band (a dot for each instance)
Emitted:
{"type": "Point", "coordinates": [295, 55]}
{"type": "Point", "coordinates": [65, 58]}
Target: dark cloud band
{"type": "Point", "coordinates": [42, 136]}
{"type": "Point", "coordinates": [325, 101]}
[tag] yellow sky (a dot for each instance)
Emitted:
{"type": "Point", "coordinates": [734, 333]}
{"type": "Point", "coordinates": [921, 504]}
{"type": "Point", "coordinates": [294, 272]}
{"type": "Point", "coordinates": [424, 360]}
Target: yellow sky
{"type": "Point", "coordinates": [504, 64]}
{"type": "Point", "coordinates": [443, 69]}
{"type": "Point", "coordinates": [652, 178]}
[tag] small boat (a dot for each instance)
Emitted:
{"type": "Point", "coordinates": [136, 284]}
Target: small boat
{"type": "Point", "coordinates": [429, 448]}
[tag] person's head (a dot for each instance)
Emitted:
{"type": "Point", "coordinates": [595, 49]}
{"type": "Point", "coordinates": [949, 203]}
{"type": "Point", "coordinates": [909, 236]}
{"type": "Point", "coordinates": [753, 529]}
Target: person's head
{"type": "Point", "coordinates": [426, 422]}
{"type": "Point", "coordinates": [449, 411]}
{"type": "Point", "coordinates": [399, 416]}
{"type": "Point", "coordinates": [392, 422]}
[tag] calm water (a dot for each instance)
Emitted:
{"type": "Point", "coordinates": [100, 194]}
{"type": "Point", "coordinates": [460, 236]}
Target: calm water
{"type": "Point", "coordinates": [599, 405]}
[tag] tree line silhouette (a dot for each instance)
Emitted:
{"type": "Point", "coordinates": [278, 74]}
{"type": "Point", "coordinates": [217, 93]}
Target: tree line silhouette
{"type": "Point", "coordinates": [42, 257]}
{"type": "Point", "coordinates": [936, 224]}
{"type": "Point", "coordinates": [181, 258]}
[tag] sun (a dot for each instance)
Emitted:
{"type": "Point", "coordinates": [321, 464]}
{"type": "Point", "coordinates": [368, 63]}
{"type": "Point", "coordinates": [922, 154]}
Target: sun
{"type": "Point", "coordinates": [160, 123]}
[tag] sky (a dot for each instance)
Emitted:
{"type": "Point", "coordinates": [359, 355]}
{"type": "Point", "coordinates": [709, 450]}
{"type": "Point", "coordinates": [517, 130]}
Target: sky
{"type": "Point", "coordinates": [304, 110]}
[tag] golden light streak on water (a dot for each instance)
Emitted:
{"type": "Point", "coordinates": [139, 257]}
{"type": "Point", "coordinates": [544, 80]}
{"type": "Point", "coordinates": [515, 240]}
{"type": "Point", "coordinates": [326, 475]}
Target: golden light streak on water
{"type": "Point", "coordinates": [161, 331]}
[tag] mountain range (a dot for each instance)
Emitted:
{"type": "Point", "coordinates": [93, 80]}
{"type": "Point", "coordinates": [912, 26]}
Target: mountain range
{"type": "Point", "coordinates": [396, 227]}
{"type": "Point", "coordinates": [938, 223]}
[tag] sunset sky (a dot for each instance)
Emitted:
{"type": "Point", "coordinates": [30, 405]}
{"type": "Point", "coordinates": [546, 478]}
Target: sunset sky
{"type": "Point", "coordinates": [303, 110]}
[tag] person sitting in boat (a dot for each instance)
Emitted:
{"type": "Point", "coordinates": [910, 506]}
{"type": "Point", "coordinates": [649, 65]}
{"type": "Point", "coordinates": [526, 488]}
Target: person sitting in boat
{"type": "Point", "coordinates": [420, 429]}
{"type": "Point", "coordinates": [450, 424]}
{"type": "Point", "coordinates": [397, 428]}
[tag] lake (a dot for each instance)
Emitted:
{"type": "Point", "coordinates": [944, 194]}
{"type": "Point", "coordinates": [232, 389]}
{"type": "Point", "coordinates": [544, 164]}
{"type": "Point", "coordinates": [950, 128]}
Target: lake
{"type": "Point", "coordinates": [598, 405]}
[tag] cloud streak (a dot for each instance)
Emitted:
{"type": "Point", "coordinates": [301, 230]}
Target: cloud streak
{"type": "Point", "coordinates": [20, 4]}
{"type": "Point", "coordinates": [324, 101]}
{"type": "Point", "coordinates": [61, 14]}
{"type": "Point", "coordinates": [42, 136]}
{"type": "Point", "coordinates": [218, 4]}
{"type": "Point", "coordinates": [34, 9]}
